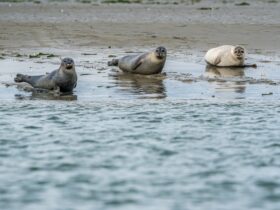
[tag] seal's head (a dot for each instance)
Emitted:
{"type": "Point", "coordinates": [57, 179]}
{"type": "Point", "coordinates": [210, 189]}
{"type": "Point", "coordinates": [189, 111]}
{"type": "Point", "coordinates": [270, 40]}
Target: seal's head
{"type": "Point", "coordinates": [239, 52]}
{"type": "Point", "coordinates": [160, 53]}
{"type": "Point", "coordinates": [68, 64]}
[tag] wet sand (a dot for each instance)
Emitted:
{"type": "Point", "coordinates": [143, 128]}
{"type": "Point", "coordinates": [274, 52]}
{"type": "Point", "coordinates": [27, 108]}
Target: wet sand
{"type": "Point", "coordinates": [180, 28]}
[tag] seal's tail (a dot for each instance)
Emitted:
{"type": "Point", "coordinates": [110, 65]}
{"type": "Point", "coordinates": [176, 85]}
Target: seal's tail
{"type": "Point", "coordinates": [20, 78]}
{"type": "Point", "coordinates": [113, 62]}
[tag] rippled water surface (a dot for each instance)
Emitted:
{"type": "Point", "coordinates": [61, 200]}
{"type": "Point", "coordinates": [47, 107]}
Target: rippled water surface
{"type": "Point", "coordinates": [178, 141]}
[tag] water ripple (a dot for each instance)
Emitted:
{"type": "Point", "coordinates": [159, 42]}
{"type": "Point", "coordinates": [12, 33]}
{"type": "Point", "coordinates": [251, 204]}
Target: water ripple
{"type": "Point", "coordinates": [113, 155]}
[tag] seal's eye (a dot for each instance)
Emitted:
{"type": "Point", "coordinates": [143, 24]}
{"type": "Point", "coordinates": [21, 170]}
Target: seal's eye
{"type": "Point", "coordinates": [162, 50]}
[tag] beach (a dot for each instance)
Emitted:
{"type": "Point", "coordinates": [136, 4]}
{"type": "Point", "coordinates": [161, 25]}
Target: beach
{"type": "Point", "coordinates": [182, 27]}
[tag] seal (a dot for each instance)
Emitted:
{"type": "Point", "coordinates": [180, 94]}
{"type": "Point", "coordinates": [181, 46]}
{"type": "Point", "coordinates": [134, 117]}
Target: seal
{"type": "Point", "coordinates": [146, 63]}
{"type": "Point", "coordinates": [63, 79]}
{"type": "Point", "coordinates": [226, 55]}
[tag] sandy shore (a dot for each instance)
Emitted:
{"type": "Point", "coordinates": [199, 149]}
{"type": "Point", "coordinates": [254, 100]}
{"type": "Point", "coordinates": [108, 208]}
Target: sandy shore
{"type": "Point", "coordinates": [26, 26]}
{"type": "Point", "coordinates": [93, 34]}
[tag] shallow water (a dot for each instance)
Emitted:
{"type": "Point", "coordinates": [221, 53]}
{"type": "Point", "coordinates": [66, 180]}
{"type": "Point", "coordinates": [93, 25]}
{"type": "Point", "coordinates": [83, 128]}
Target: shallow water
{"type": "Point", "coordinates": [180, 141]}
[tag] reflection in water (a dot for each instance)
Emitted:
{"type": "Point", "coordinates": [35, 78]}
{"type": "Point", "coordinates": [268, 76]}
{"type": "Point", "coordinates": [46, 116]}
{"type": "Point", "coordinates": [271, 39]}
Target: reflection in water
{"type": "Point", "coordinates": [149, 85]}
{"type": "Point", "coordinates": [52, 96]}
{"type": "Point", "coordinates": [227, 78]}
{"type": "Point", "coordinates": [224, 72]}
{"type": "Point", "coordinates": [44, 94]}
{"type": "Point", "coordinates": [47, 96]}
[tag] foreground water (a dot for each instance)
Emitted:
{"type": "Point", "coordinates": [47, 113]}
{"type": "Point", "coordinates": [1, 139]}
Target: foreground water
{"type": "Point", "coordinates": [180, 141]}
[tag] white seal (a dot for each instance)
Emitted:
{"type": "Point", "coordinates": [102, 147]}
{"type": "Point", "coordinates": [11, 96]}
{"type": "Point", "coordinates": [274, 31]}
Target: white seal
{"type": "Point", "coordinates": [226, 55]}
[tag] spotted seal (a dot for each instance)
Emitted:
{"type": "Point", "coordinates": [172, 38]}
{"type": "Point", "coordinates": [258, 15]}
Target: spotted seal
{"type": "Point", "coordinates": [146, 63]}
{"type": "Point", "coordinates": [63, 79]}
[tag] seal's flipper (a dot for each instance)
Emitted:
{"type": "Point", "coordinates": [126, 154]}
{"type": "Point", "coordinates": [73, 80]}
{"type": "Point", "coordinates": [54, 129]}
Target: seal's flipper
{"type": "Point", "coordinates": [57, 91]}
{"type": "Point", "coordinates": [138, 62]}
{"type": "Point", "coordinates": [217, 60]}
{"type": "Point", "coordinates": [114, 62]}
{"type": "Point", "coordinates": [137, 65]}
{"type": "Point", "coordinates": [26, 78]}
{"type": "Point", "coordinates": [20, 78]}
{"type": "Point", "coordinates": [250, 65]}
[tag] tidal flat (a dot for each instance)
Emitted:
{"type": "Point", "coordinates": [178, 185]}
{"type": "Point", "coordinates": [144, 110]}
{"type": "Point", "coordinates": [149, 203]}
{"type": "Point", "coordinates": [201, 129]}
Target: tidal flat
{"type": "Point", "coordinates": [191, 138]}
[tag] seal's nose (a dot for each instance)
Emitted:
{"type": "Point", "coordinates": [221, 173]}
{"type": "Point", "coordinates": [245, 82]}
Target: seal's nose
{"type": "Point", "coordinates": [162, 51]}
{"type": "Point", "coordinates": [69, 65]}
{"type": "Point", "coordinates": [162, 54]}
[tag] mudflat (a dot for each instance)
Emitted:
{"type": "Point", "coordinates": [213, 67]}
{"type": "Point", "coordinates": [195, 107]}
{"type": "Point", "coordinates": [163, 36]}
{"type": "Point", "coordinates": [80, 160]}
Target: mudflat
{"type": "Point", "coordinates": [181, 27]}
